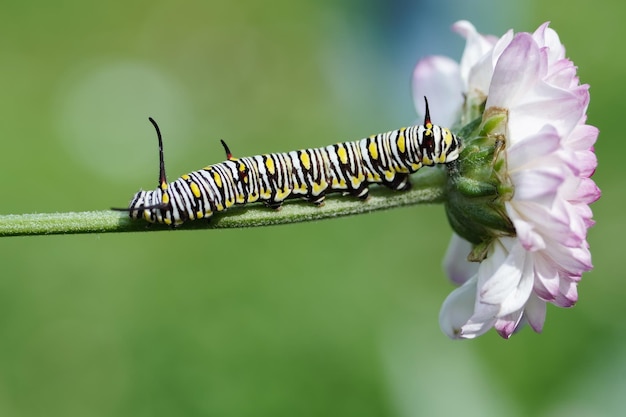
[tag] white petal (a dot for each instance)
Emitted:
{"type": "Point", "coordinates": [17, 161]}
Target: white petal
{"type": "Point", "coordinates": [458, 308]}
{"type": "Point", "coordinates": [535, 313]}
{"type": "Point", "coordinates": [476, 47]}
{"type": "Point", "coordinates": [475, 328]}
{"type": "Point", "coordinates": [455, 262]}
{"type": "Point", "coordinates": [506, 283]}
{"type": "Point", "coordinates": [439, 79]}
{"type": "Point", "coordinates": [500, 271]}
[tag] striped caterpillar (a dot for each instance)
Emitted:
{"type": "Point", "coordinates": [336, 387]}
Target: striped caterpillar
{"type": "Point", "coordinates": [348, 167]}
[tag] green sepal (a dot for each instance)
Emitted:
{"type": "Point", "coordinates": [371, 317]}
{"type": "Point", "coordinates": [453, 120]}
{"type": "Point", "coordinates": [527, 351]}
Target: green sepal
{"type": "Point", "coordinates": [478, 183]}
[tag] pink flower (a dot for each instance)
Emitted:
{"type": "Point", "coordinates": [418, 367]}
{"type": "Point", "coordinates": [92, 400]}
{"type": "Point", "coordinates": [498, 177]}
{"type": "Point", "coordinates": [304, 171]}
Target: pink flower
{"type": "Point", "coordinates": [549, 157]}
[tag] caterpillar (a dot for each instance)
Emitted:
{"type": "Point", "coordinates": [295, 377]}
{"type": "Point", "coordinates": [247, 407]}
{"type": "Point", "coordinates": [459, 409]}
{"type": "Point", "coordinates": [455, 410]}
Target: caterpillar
{"type": "Point", "coordinates": [348, 167]}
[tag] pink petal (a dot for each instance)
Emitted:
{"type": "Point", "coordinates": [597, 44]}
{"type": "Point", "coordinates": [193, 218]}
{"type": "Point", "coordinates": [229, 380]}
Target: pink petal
{"type": "Point", "coordinates": [506, 325]}
{"type": "Point", "coordinates": [547, 104]}
{"type": "Point", "coordinates": [547, 278]}
{"type": "Point", "coordinates": [587, 192]}
{"type": "Point", "coordinates": [562, 74]}
{"type": "Point", "coordinates": [538, 185]}
{"type": "Point", "coordinates": [568, 294]}
{"type": "Point", "coordinates": [546, 37]}
{"type": "Point", "coordinates": [526, 231]}
{"type": "Point", "coordinates": [549, 161]}
{"type": "Point", "coordinates": [562, 223]}
{"type": "Point", "coordinates": [515, 73]}
{"type": "Point", "coordinates": [582, 137]}
{"type": "Point", "coordinates": [531, 150]}
{"type": "Point", "coordinates": [571, 261]}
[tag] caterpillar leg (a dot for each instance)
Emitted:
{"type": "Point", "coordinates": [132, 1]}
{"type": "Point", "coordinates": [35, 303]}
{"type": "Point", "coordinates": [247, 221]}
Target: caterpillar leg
{"type": "Point", "coordinates": [400, 182]}
{"type": "Point", "coordinates": [318, 200]}
{"type": "Point", "coordinates": [274, 205]}
{"type": "Point", "coordinates": [362, 193]}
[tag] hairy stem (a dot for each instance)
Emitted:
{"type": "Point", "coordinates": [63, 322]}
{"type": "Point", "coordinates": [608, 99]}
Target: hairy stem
{"type": "Point", "coordinates": [428, 188]}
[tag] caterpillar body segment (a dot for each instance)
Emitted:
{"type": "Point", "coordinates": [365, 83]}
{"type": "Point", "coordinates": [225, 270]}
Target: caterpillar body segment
{"type": "Point", "coordinates": [348, 167]}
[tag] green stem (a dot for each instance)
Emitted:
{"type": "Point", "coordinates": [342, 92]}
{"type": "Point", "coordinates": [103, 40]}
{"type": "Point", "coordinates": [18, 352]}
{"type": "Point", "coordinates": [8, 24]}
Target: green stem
{"type": "Point", "coordinates": [428, 188]}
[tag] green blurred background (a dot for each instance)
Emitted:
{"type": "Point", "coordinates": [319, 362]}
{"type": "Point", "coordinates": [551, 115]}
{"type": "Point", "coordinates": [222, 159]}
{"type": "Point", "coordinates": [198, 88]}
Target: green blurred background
{"type": "Point", "coordinates": [331, 318]}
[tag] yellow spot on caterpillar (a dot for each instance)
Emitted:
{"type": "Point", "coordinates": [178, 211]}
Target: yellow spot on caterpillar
{"type": "Point", "coordinates": [341, 184]}
{"type": "Point", "coordinates": [241, 198]}
{"type": "Point", "coordinates": [185, 177]}
{"type": "Point", "coordinates": [343, 155]}
{"type": "Point", "coordinates": [282, 194]}
{"type": "Point", "coordinates": [253, 197]}
{"type": "Point", "coordinates": [415, 167]}
{"type": "Point", "coordinates": [146, 215]}
{"type": "Point", "coordinates": [426, 160]}
{"type": "Point", "coordinates": [306, 161]}
{"type": "Point", "coordinates": [218, 179]}
{"type": "Point", "coordinates": [447, 138]}
{"type": "Point", "coordinates": [373, 177]}
{"type": "Point", "coordinates": [229, 203]}
{"type": "Point", "coordinates": [401, 142]}
{"type": "Point", "coordinates": [163, 186]}
{"type": "Point", "coordinates": [266, 194]}
{"type": "Point", "coordinates": [242, 172]}
{"type": "Point", "coordinates": [195, 189]}
{"type": "Point", "coordinates": [167, 221]}
{"type": "Point", "coordinates": [165, 199]}
{"type": "Point", "coordinates": [269, 163]}
{"type": "Point", "coordinates": [390, 175]}
{"type": "Point", "coordinates": [318, 188]}
{"type": "Point", "coordinates": [373, 149]}
{"type": "Point", "coordinates": [219, 207]}
{"type": "Point", "coordinates": [199, 215]}
{"type": "Point", "coordinates": [356, 181]}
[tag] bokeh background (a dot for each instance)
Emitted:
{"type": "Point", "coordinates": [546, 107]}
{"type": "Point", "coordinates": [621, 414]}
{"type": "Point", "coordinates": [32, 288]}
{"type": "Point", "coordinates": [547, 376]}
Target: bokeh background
{"type": "Point", "coordinates": [331, 318]}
